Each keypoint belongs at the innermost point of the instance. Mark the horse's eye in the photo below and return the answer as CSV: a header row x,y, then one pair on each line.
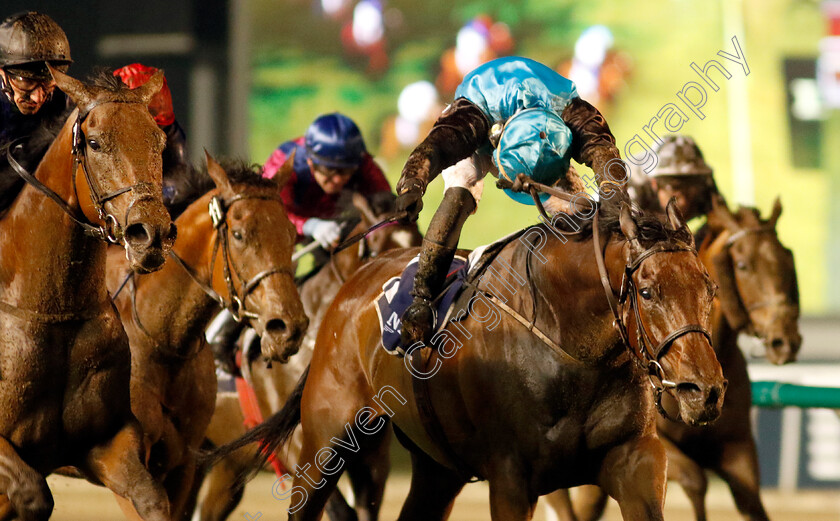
x,y
645,293
741,265
93,144
236,235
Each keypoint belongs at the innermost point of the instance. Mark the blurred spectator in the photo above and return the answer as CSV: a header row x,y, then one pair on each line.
x,y
419,106
477,42
364,36
598,71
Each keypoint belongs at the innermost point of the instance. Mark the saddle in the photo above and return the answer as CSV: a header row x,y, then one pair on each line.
x,y
457,290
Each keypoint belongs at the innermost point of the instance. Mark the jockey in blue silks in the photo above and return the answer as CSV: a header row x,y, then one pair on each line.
x,y
511,115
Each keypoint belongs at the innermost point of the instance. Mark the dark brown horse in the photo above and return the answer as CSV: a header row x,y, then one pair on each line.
x,y
237,254
532,389
758,295
64,356
274,385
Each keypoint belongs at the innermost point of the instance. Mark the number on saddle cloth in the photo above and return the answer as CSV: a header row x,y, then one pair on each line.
x,y
396,297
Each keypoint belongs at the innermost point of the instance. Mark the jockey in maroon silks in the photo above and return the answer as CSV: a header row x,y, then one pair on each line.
x,y
329,159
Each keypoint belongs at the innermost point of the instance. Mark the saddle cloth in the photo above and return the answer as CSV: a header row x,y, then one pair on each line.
x,y
396,292
396,297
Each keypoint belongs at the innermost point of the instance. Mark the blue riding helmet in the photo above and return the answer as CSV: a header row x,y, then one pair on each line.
x,y
534,142
334,141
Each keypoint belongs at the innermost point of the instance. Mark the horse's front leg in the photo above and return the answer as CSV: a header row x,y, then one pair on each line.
x,y
117,465
27,493
634,474
510,498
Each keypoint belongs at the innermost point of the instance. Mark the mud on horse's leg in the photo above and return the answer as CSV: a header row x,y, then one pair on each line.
x,y
634,474
27,491
118,466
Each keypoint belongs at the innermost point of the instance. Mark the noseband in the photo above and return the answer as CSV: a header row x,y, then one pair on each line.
x,y
647,355
235,302
110,231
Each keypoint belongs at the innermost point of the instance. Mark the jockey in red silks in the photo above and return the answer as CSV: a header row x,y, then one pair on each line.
x,y
175,153
330,158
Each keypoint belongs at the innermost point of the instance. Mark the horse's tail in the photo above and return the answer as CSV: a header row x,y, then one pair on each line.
x,y
271,434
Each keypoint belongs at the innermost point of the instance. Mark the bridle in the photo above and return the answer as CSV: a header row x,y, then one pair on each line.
x,y
235,303
111,230
644,353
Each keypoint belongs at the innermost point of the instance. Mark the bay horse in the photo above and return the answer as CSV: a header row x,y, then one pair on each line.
x,y
64,356
530,404
273,385
759,296
234,248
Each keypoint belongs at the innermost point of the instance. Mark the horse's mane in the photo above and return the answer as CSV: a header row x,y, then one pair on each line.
x,y
651,229
103,78
185,184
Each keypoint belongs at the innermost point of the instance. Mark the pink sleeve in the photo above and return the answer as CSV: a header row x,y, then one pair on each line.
x,y
373,179
273,163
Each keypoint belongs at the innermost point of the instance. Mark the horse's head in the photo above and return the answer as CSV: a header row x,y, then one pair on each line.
x,y
757,278
256,241
117,148
667,298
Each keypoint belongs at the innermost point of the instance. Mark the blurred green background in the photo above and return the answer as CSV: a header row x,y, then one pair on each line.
x,y
301,70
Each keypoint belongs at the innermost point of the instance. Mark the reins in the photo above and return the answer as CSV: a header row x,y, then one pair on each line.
x,y
110,231
645,353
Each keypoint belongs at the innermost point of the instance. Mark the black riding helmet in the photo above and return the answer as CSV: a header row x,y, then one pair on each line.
x,y
30,40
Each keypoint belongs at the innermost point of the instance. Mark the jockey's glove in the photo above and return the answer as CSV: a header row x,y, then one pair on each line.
x,y
325,232
410,201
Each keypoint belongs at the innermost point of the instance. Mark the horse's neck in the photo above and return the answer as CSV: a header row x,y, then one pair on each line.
x,y
173,289
571,305
47,263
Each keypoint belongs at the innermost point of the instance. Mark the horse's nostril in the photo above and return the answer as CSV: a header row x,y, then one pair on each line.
x,y
777,343
138,234
687,387
276,326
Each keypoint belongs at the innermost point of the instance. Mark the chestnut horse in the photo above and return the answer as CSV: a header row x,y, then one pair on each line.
x,y
237,254
758,295
530,404
274,385
64,355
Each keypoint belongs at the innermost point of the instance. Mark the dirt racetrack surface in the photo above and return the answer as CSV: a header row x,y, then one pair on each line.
x,y
76,500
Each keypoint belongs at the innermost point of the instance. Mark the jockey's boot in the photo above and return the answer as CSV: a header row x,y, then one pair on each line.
x,y
439,247
222,334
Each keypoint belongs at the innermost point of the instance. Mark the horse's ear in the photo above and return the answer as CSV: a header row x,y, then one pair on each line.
x,y
284,174
148,90
730,300
361,204
75,89
629,228
218,174
675,218
777,211
720,217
